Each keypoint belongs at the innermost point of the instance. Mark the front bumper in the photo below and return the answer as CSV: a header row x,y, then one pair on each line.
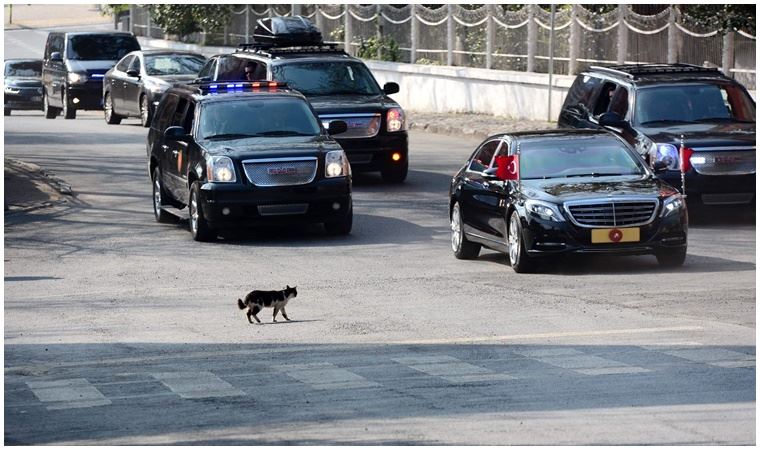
x,y
375,153
26,99
87,96
234,205
715,189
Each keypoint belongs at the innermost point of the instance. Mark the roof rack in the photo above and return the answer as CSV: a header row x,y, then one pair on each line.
x,y
272,50
634,71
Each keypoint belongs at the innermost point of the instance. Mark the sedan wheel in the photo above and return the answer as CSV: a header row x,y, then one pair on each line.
x,y
110,116
145,114
462,248
518,258
69,111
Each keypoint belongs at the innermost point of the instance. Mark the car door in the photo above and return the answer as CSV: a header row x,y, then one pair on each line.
x,y
133,87
479,193
116,83
163,150
578,106
176,155
54,70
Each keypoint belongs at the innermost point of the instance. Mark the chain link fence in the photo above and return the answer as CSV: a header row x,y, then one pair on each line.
x,y
504,37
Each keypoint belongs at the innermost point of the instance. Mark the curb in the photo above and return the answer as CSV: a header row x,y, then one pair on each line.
x,y
30,170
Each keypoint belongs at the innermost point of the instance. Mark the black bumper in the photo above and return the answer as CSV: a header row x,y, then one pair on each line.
x,y
375,153
28,101
715,189
237,205
86,96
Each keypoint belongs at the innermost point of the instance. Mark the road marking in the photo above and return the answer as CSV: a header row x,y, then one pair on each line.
x,y
451,369
571,359
68,394
197,384
719,357
515,337
325,376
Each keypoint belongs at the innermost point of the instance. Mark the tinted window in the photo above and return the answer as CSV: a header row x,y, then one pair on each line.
x,y
257,117
23,69
693,103
123,65
55,44
582,91
165,112
580,156
100,47
327,78
484,156
231,68
173,64
208,70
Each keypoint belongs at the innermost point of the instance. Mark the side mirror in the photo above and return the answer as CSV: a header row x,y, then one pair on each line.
x,y
175,134
660,167
133,73
56,56
390,88
612,119
337,127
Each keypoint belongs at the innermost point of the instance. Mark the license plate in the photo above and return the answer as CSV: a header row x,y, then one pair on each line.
x,y
615,235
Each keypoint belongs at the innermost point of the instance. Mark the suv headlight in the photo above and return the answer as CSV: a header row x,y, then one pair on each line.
x,y
672,204
336,164
11,90
544,210
395,120
667,153
77,77
220,169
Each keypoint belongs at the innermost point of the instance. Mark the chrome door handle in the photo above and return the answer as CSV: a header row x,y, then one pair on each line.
x,y
164,147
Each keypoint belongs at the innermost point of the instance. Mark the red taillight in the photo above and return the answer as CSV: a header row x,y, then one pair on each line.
x,y
685,158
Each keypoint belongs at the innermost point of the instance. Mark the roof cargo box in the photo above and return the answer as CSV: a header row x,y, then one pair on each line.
x,y
286,32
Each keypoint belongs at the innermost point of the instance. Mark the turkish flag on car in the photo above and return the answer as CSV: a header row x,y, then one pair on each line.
x,y
508,167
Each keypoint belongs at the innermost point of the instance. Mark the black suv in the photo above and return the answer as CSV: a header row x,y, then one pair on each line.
x,y
338,86
245,154
654,106
73,68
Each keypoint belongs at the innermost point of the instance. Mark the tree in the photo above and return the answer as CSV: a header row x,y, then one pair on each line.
x,y
185,19
726,17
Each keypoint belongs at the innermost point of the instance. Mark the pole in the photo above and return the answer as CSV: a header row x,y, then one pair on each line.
x,y
532,38
415,35
551,61
489,36
247,24
450,36
348,31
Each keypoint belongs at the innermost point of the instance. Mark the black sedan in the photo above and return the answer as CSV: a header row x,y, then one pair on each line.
x,y
135,85
23,85
567,191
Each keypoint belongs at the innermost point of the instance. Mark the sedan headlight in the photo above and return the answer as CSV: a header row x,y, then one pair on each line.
x,y
77,77
672,205
336,164
395,120
11,90
668,153
544,210
220,169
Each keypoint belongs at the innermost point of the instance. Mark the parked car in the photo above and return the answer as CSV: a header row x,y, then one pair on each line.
x,y
576,191
73,68
652,106
134,86
242,154
23,85
339,87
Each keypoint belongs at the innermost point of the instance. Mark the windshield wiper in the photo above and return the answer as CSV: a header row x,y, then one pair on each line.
x,y
283,133
230,136
596,174
664,121
723,119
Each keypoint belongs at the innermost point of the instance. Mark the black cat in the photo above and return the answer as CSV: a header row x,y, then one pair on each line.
x,y
255,301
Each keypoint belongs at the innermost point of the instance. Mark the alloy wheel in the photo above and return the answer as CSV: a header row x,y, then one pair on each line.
x,y
513,240
456,229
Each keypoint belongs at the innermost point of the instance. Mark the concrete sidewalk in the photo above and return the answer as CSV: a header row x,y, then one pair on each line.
x,y
52,15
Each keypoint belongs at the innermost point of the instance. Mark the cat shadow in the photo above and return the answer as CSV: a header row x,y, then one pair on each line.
x,y
279,322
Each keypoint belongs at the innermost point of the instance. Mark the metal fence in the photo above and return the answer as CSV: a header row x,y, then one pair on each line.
x,y
505,37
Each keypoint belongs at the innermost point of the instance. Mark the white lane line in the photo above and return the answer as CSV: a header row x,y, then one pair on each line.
x,y
571,359
515,337
197,384
68,394
325,376
719,357
451,369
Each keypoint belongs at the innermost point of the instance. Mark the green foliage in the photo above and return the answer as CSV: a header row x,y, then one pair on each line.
x,y
185,19
428,62
389,47
725,17
114,9
338,34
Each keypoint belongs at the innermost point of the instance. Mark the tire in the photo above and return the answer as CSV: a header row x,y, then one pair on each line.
x,y
672,258
462,248
7,112
518,257
69,111
146,114
111,117
343,226
199,227
393,173
159,199
51,112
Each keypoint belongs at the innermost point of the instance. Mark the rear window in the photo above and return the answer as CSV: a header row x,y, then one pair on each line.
x,y
693,103
257,117
327,78
92,47
23,69
158,65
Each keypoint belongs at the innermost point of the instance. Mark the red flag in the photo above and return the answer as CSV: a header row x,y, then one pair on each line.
x,y
508,167
684,155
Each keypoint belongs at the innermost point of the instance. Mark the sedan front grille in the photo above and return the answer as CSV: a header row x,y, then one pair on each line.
x,y
612,212
281,171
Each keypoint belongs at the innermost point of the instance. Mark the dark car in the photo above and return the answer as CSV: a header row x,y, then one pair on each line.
x,y
579,191
23,85
338,86
654,106
134,86
244,154
73,68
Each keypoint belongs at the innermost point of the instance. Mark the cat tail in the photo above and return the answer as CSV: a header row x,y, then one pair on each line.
x,y
241,305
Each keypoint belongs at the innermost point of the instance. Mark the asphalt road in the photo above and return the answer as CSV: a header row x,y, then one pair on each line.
x,y
120,330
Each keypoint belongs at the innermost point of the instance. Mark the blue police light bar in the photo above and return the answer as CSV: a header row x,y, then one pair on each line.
x,y
240,86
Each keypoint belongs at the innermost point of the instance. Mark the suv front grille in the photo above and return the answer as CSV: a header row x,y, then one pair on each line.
x,y
362,125
612,212
281,171
724,162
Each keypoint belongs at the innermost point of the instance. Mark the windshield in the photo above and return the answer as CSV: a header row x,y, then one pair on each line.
x,y
23,69
693,103
576,158
158,65
327,78
255,117
91,47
